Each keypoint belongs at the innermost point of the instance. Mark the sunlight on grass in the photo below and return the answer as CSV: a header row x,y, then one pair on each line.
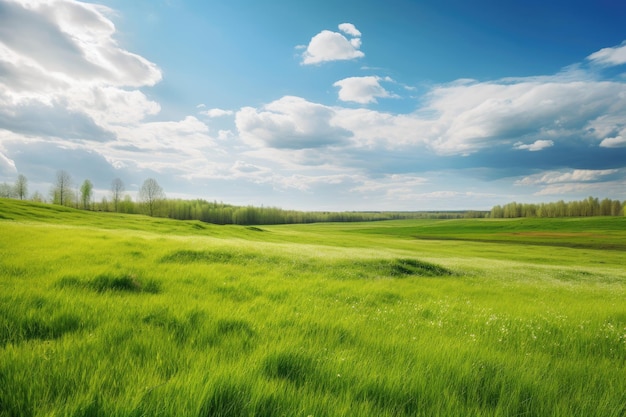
x,y
105,314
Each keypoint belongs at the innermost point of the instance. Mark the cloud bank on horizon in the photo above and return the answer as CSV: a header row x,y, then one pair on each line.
x,y
73,97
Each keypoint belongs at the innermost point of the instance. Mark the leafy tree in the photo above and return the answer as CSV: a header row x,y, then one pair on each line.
x,y
152,196
104,204
616,208
21,187
127,205
86,192
117,188
588,207
6,191
497,212
37,197
62,191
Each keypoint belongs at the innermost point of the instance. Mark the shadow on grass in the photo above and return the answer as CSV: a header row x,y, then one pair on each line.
x,y
36,319
226,399
390,268
295,367
342,269
120,283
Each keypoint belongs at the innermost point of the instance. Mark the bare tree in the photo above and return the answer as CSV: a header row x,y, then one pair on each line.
x,y
62,191
21,187
86,192
117,189
152,195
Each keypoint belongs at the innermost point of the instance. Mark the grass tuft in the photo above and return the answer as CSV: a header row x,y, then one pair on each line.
x,y
112,283
412,267
295,367
389,268
226,399
38,323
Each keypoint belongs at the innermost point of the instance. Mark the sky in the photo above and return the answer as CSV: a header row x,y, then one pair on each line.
x,y
319,105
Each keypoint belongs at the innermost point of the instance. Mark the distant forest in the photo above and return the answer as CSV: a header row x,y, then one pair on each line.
x,y
151,200
590,206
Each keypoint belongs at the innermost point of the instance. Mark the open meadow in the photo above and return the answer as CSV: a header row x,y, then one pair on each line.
x,y
105,314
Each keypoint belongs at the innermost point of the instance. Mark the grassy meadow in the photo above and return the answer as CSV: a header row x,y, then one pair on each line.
x,y
106,314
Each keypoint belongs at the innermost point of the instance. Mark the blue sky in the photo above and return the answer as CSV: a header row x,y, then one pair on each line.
x,y
319,105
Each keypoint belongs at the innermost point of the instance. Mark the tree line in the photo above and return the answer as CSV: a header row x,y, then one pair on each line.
x,y
590,206
220,213
152,201
151,195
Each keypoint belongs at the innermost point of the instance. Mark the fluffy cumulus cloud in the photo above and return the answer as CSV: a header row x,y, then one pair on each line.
x,y
334,46
466,117
560,177
362,90
479,115
61,66
184,147
391,184
67,87
537,145
213,113
610,56
461,118
578,180
291,123
68,41
350,29
616,142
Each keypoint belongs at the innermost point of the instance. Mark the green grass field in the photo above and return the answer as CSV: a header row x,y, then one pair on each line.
x,y
104,314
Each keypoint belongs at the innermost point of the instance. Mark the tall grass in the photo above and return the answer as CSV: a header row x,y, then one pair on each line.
x,y
106,315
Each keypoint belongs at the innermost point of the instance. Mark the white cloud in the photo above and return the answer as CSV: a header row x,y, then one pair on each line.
x,y
610,56
350,29
569,188
537,145
478,115
308,182
241,166
464,118
362,90
224,135
333,46
66,85
290,123
577,181
609,188
112,105
217,113
560,177
616,142
391,184
181,136
61,62
72,42
7,166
